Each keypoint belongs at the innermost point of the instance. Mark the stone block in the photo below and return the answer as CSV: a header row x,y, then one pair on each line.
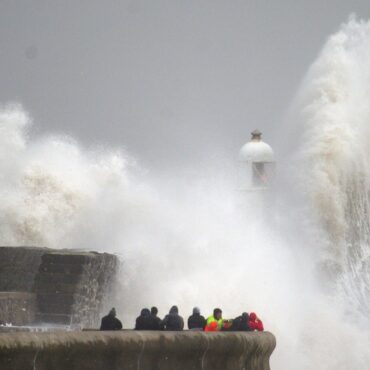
x,y
56,278
18,267
74,298
54,318
17,308
70,285
62,268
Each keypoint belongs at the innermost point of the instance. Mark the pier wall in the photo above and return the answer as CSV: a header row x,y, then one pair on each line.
x,y
131,350
18,308
55,286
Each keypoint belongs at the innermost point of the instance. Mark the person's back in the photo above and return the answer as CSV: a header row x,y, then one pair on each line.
x,y
255,323
196,321
154,313
145,321
240,323
110,322
173,321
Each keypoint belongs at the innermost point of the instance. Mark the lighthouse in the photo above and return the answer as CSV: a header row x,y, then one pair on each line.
x,y
256,164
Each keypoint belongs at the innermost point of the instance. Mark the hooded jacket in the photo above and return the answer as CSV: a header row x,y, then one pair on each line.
x,y
110,322
154,313
196,320
173,321
146,321
255,323
241,323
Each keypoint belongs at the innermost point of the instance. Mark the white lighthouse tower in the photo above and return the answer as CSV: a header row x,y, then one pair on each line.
x,y
256,164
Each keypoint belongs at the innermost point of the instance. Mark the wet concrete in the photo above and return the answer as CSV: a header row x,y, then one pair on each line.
x,y
129,350
66,287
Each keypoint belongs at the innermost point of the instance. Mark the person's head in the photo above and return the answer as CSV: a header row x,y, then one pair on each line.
x,y
154,311
112,312
217,313
245,316
196,311
174,310
145,312
252,316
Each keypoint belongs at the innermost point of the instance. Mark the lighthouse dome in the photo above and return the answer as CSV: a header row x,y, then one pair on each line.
x,y
256,150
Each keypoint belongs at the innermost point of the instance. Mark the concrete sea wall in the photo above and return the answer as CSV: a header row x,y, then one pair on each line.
x,y
55,286
18,268
130,350
71,286
18,308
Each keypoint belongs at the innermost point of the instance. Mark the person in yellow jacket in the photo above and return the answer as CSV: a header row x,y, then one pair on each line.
x,y
214,322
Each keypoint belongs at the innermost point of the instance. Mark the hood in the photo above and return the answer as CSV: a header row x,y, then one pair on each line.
x,y
245,316
174,310
252,316
196,311
154,311
145,312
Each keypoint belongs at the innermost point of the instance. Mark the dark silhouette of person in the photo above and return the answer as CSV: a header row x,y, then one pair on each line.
x,y
241,323
154,313
146,321
196,321
110,322
173,321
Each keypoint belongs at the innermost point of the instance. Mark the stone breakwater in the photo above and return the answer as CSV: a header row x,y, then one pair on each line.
x,y
55,286
129,350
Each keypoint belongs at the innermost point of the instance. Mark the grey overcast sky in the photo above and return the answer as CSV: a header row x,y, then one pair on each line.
x,y
173,81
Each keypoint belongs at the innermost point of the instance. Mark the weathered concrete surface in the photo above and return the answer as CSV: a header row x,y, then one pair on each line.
x,y
71,286
18,267
17,308
129,350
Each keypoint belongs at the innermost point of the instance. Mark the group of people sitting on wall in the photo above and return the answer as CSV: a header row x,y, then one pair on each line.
x,y
149,320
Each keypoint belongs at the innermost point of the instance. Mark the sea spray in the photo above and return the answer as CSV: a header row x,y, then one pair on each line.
x,y
332,174
335,159
185,241
56,194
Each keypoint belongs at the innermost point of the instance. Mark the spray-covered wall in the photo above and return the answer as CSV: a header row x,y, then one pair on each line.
x,y
49,286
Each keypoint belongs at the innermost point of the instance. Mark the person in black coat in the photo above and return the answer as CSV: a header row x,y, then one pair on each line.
x,y
173,321
154,313
240,323
146,321
110,322
196,321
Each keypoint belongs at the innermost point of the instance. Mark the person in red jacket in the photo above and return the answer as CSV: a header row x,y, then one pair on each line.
x,y
254,322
